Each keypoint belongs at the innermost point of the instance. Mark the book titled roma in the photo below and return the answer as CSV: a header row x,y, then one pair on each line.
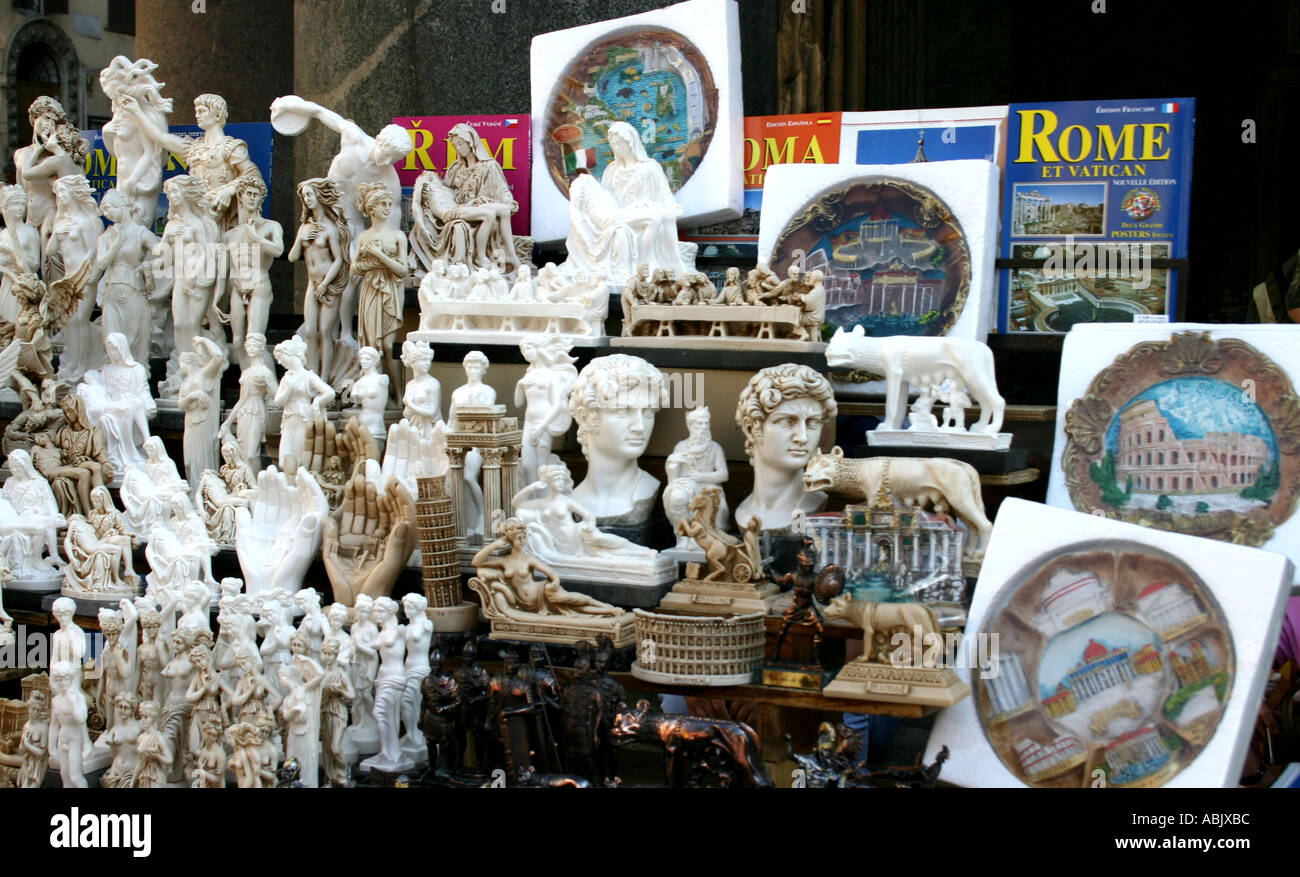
x,y
1094,193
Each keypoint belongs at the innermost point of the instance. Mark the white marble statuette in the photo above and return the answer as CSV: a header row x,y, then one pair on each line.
x,y
29,521
361,159
696,461
952,372
200,399
563,533
614,402
301,394
57,150
543,393
222,491
246,422
463,218
252,244
122,269
370,393
782,412
119,403
148,488
380,261
69,738
70,257
521,606
390,643
136,134
661,309
191,230
324,242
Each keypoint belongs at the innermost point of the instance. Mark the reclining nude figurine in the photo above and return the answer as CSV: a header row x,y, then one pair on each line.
x,y
509,587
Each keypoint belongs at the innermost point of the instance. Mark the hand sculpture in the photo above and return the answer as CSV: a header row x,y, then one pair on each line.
x,y
278,540
367,542
406,450
332,456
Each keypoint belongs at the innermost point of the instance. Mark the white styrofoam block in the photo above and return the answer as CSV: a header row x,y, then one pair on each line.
x,y
969,188
1250,585
1091,347
715,191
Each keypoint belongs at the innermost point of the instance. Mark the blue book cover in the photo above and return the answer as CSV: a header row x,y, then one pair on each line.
x,y
1093,192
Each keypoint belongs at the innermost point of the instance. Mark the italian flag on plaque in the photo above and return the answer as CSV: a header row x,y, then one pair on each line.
x,y
580,159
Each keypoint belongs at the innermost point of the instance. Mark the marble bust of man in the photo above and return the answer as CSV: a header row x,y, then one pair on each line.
x,y
782,412
614,402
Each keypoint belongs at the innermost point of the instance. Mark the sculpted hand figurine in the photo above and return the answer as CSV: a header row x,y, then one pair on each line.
x,y
381,263
366,543
122,259
301,394
324,240
695,461
614,402
118,402
278,539
247,420
543,392
782,412
251,246
361,159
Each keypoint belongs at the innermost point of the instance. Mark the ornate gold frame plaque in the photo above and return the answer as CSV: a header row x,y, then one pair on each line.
x,y
1115,665
1191,435
894,256
657,81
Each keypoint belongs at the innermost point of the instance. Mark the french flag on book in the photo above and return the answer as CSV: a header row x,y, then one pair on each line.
x,y
1169,108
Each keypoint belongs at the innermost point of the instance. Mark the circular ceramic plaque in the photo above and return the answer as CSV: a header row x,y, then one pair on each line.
x,y
1192,435
893,257
1114,668
655,80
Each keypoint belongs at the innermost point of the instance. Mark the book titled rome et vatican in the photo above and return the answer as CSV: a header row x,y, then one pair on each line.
x,y
1094,193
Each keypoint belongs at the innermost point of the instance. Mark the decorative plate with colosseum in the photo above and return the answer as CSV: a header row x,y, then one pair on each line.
x,y
655,80
1115,664
1192,434
893,256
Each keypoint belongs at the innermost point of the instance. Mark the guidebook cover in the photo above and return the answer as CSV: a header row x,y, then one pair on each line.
x,y
808,138
902,136
1095,190
507,138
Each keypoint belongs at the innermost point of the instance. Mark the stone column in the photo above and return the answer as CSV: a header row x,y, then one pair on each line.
x,y
491,487
456,487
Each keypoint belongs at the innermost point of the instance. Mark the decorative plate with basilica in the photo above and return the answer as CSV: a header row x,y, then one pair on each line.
x,y
1190,434
893,255
1115,664
655,80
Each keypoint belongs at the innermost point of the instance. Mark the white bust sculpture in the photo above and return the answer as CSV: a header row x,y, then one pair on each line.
x,y
543,392
614,401
695,461
473,393
782,412
29,522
